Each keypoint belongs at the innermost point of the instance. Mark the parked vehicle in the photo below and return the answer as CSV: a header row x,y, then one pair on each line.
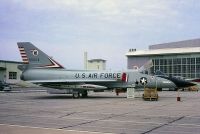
x,y
5,86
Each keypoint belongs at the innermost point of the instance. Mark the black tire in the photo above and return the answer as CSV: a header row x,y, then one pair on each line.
x,y
76,95
1,88
85,94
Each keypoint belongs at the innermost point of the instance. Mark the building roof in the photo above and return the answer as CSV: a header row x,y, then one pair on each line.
x,y
178,44
96,60
16,62
166,51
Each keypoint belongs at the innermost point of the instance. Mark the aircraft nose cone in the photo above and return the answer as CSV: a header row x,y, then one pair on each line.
x,y
181,83
188,84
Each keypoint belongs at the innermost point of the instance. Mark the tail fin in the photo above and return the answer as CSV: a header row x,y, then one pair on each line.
x,y
35,58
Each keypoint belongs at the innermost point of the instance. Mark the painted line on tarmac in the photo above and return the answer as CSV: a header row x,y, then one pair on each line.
x,y
165,124
53,129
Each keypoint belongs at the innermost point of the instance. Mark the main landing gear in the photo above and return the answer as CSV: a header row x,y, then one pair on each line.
x,y
83,94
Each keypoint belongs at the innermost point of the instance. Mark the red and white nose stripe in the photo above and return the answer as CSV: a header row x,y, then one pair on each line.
x,y
124,77
23,55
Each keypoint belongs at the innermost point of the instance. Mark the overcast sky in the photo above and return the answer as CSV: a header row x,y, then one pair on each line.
x,y
106,29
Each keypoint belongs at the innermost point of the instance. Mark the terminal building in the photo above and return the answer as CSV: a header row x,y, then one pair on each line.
x,y
180,59
9,71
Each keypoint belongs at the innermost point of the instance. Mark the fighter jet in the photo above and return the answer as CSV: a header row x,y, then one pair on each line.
x,y
41,69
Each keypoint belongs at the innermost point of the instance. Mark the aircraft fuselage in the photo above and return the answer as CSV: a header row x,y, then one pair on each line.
x,y
101,79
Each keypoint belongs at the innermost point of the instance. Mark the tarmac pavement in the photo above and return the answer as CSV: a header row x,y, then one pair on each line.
x,y
30,111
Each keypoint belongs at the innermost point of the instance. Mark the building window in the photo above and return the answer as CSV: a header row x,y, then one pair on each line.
x,y
192,60
184,61
188,67
157,62
188,60
13,75
198,60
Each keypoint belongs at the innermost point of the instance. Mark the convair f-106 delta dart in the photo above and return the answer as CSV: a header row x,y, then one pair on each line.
x,y
41,69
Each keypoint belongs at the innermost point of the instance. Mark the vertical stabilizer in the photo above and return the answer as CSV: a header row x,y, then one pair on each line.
x,y
35,58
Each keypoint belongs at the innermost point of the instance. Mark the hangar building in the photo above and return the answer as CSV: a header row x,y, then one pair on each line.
x,y
174,59
9,71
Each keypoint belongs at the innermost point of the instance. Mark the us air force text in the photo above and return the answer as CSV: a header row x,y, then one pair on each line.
x,y
98,75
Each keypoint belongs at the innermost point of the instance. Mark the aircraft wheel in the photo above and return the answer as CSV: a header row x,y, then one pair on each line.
x,y
76,95
84,94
